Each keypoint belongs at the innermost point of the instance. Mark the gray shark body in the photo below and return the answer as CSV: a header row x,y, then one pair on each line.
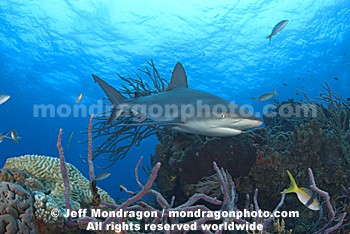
x,y
182,109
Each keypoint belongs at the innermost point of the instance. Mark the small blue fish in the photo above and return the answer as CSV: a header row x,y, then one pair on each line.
x,y
4,98
103,176
277,28
69,139
14,135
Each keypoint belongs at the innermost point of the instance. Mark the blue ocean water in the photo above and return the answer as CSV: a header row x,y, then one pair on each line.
x,y
50,48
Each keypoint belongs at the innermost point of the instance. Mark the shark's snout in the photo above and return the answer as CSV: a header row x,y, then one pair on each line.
x,y
247,123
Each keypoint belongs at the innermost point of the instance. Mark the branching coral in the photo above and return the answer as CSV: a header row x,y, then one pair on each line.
x,y
334,114
139,87
64,175
164,217
330,226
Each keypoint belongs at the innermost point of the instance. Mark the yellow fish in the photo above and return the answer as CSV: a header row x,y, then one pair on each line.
x,y
78,98
305,196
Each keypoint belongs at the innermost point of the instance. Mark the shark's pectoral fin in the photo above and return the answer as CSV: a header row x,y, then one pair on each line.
x,y
220,131
152,123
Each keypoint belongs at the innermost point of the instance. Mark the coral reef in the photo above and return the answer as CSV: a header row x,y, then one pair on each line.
x,y
297,135
44,186
41,178
165,210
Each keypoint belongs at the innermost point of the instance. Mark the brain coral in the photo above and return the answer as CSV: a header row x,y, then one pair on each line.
x,y
47,170
16,209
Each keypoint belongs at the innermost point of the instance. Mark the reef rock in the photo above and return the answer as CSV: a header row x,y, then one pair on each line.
x,y
16,209
186,159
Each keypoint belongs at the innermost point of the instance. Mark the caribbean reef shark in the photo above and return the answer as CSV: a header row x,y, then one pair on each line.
x,y
182,109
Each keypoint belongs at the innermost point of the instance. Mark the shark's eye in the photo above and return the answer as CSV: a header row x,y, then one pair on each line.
x,y
223,116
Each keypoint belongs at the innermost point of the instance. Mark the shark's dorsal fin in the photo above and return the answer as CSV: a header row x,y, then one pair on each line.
x,y
178,78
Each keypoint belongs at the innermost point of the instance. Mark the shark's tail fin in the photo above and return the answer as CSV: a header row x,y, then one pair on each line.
x,y
113,95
